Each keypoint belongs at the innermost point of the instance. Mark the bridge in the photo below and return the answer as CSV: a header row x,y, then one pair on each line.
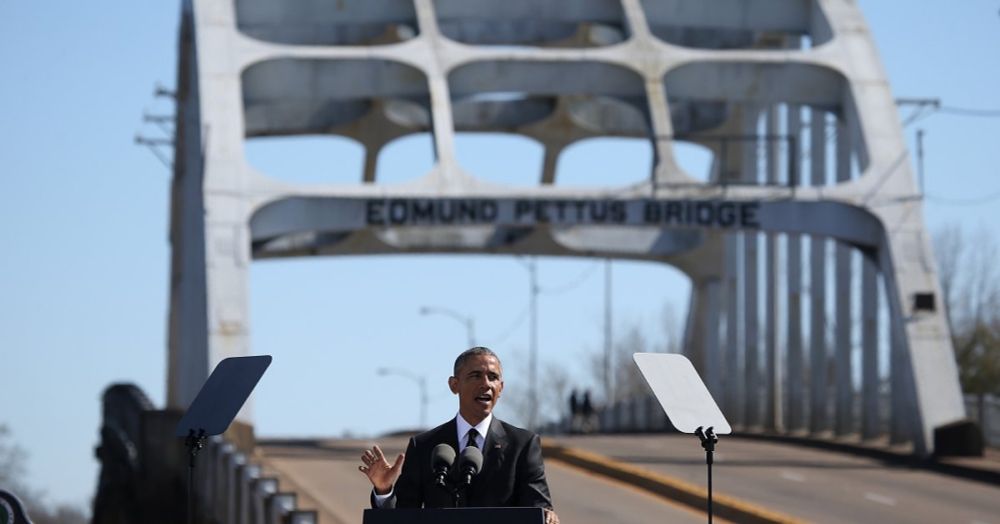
x,y
809,173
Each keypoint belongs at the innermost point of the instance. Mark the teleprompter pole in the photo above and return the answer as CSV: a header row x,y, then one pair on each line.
x,y
194,443
708,440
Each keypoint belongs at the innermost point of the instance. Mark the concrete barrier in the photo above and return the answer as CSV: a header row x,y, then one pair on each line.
x,y
144,472
725,507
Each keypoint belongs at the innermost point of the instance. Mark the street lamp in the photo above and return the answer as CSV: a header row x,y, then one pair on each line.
x,y
421,382
468,322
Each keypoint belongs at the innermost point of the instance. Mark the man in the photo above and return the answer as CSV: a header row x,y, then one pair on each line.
x,y
512,474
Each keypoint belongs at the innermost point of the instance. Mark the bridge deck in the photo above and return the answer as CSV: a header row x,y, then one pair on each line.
x,y
816,485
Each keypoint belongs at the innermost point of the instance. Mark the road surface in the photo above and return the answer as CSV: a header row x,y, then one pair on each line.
x,y
815,485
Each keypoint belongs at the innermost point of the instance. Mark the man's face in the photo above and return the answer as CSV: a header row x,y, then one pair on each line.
x,y
478,386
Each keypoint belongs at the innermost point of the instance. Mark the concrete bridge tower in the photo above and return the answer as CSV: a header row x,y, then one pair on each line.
x,y
805,241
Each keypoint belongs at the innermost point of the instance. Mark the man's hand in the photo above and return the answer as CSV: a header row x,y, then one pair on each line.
x,y
551,517
379,471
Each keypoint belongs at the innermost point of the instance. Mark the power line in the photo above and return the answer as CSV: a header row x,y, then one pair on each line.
x,y
523,315
926,107
498,340
951,201
581,278
969,111
917,116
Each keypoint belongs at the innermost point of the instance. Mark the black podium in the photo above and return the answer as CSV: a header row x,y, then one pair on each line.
x,y
455,516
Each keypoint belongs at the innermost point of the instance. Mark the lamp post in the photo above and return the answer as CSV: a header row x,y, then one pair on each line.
x,y
467,321
421,383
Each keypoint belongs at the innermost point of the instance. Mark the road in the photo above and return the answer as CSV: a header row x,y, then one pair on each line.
x,y
815,485
324,473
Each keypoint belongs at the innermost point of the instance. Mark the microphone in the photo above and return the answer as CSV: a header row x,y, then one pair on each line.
x,y
442,457
469,464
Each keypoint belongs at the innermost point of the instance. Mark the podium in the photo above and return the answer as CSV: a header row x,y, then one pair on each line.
x,y
455,516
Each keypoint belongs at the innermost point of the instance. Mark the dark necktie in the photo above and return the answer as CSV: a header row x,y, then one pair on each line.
x,y
472,438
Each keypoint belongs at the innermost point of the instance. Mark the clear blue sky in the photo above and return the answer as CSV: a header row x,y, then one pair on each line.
x,y
83,223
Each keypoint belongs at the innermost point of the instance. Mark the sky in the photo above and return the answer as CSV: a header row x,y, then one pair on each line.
x,y
84,256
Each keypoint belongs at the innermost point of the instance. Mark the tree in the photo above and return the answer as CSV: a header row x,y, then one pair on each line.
x,y
12,458
626,379
970,283
12,470
977,349
673,333
554,384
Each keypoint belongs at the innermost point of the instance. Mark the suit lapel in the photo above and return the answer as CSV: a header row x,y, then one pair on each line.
x,y
448,434
496,446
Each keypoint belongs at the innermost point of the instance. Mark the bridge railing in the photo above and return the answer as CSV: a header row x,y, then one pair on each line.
x,y
642,413
985,409
144,473
234,490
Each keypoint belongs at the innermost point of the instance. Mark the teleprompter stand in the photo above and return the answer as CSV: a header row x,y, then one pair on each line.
x,y
708,440
686,402
215,407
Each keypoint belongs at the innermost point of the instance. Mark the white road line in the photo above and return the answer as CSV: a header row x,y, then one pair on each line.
x,y
796,477
881,499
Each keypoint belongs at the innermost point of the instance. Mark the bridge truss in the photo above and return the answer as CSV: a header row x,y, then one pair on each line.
x,y
807,225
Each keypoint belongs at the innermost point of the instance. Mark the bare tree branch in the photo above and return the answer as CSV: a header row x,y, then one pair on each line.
x,y
970,282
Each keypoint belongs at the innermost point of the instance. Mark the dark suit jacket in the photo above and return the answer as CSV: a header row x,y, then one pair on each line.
x,y
512,474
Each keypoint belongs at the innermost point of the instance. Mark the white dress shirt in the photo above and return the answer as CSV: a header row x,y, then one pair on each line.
x,y
463,431
463,428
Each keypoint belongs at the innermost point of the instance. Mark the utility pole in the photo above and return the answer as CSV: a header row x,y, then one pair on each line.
x,y
608,385
921,104
533,359
532,267
920,160
163,122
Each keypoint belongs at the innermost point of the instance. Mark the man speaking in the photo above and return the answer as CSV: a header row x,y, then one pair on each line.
x,y
512,472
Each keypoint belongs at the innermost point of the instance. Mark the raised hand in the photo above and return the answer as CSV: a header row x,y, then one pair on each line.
x,y
378,470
